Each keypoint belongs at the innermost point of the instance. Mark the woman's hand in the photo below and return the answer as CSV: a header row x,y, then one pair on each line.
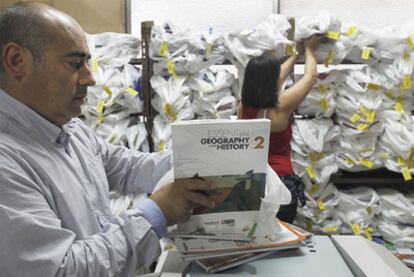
x,y
313,41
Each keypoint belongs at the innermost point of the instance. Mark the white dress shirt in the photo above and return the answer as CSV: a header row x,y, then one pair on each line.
x,y
55,218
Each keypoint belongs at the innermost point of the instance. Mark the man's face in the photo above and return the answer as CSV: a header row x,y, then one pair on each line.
x,y
58,84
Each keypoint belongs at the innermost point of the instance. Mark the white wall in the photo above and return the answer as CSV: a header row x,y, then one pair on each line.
x,y
223,15
373,13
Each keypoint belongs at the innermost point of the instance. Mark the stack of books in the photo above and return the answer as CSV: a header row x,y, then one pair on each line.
x,y
233,155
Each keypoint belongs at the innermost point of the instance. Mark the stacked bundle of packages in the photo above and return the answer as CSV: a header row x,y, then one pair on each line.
x,y
314,161
332,50
185,85
320,101
396,221
357,208
357,106
268,36
397,141
115,97
319,214
178,52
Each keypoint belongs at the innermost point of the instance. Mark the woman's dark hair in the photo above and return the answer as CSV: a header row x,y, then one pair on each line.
x,y
260,82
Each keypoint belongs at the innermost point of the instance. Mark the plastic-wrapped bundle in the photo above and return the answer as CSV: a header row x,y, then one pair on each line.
x,y
211,80
392,43
269,35
354,162
312,151
161,133
361,43
179,51
318,212
357,208
173,98
320,101
136,136
322,23
112,49
400,235
212,96
395,207
330,225
397,143
358,102
398,133
332,50
206,106
116,93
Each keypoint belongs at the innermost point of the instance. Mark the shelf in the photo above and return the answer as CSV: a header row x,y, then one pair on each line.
x,y
378,178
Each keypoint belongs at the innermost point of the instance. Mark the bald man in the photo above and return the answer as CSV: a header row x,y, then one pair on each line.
x,y
56,174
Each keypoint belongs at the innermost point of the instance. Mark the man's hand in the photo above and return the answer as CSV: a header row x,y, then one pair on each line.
x,y
177,200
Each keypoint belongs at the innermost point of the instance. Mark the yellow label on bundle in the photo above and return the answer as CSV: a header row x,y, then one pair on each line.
x,y
324,105
313,157
409,42
99,119
356,229
310,172
168,110
321,205
398,107
406,174
365,53
163,48
313,189
369,210
367,233
132,91
355,118
171,69
94,65
349,161
351,30
366,163
322,88
389,93
100,106
332,35
289,50
400,161
362,127
406,55
329,229
373,86
107,90
161,146
209,47
170,66
406,82
371,117
329,58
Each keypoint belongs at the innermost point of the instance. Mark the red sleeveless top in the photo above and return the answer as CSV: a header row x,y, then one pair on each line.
x,y
279,157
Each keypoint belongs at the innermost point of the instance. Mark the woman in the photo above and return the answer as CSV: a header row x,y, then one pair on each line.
x,y
261,98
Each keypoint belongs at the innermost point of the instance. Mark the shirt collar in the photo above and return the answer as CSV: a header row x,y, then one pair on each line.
x,y
14,110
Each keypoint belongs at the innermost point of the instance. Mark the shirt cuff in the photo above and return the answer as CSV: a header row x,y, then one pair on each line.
x,y
153,213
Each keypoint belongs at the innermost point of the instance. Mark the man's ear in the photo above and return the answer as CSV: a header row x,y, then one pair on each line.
x,y
17,60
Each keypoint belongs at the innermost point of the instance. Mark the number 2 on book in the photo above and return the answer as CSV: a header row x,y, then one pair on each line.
x,y
260,142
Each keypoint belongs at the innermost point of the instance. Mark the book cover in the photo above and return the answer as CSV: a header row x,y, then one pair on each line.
x,y
233,155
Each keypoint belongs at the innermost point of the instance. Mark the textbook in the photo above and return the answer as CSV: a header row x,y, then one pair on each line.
x,y
200,249
233,155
